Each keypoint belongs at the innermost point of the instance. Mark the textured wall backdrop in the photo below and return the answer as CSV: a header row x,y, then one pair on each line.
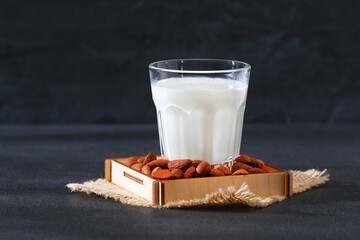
x,y
86,61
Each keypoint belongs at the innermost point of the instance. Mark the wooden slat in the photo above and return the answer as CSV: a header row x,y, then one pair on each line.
x,y
132,180
108,169
155,197
286,184
162,193
266,184
291,184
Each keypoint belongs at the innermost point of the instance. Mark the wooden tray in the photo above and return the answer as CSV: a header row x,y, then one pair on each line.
x,y
160,192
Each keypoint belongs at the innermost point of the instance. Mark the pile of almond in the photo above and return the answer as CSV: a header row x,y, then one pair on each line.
x,y
186,168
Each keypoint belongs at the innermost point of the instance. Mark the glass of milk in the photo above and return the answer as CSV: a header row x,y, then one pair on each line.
x,y
200,106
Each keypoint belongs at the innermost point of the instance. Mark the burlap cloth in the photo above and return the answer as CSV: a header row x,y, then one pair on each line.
x,y
302,181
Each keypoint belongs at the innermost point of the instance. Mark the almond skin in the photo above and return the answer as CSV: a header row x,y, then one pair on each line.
x,y
215,166
224,170
177,173
189,172
216,173
132,159
240,165
195,162
256,170
256,163
137,166
149,158
269,169
146,170
243,158
161,174
203,168
129,164
162,163
241,172
250,161
179,164
140,159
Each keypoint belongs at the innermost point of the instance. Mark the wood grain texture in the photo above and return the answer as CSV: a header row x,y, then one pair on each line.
x,y
108,169
290,184
155,197
132,180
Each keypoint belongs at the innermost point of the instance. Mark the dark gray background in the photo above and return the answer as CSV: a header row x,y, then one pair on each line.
x,y
86,61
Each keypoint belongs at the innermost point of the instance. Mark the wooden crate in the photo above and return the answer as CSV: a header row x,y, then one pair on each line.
x,y
160,192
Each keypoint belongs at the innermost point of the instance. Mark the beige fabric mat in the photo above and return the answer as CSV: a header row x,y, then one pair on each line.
x,y
303,180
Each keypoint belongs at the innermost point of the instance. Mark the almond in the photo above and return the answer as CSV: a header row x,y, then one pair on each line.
x,y
140,160
179,164
146,170
257,163
224,170
162,163
137,166
161,174
269,169
195,162
241,172
240,165
149,158
250,161
243,158
256,170
177,173
132,159
129,164
203,168
189,172
216,173
215,166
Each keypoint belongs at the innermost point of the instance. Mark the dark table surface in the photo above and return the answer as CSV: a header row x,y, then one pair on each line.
x,y
36,162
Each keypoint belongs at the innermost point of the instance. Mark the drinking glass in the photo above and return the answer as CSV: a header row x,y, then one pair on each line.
x,y
200,106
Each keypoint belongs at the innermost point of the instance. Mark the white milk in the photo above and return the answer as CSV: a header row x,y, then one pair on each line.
x,y
200,118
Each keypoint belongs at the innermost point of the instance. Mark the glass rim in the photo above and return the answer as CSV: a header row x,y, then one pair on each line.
x,y
245,66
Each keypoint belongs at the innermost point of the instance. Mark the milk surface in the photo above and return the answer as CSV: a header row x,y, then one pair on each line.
x,y
200,118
